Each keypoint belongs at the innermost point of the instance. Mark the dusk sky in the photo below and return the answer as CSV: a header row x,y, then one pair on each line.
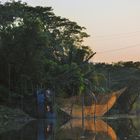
x,y
113,25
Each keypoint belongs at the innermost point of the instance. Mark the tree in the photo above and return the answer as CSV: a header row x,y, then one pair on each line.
x,y
43,48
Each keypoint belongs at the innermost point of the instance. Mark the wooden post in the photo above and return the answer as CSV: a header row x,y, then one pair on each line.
x,y
94,110
9,82
41,85
53,104
32,87
82,108
82,136
109,79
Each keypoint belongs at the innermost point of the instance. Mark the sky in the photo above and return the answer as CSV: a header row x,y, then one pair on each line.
x,y
113,25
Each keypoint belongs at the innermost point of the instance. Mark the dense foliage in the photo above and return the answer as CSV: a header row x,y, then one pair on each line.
x,y
39,49
123,74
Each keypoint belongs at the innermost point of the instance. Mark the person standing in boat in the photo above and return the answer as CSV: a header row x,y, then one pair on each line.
x,y
41,103
49,104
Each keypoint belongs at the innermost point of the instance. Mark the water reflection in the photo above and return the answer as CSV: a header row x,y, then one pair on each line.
x,y
117,129
46,129
92,130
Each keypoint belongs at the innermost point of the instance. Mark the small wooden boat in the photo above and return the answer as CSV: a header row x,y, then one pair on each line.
x,y
103,104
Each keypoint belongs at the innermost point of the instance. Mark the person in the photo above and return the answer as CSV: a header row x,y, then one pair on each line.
x,y
48,108
48,93
40,103
49,105
48,101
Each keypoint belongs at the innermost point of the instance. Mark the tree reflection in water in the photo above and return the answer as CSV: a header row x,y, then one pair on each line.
x,y
126,129
117,129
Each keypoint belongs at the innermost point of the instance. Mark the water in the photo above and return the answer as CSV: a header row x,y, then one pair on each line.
x,y
112,128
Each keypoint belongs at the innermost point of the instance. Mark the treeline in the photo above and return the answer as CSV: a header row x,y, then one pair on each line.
x,y
123,74
128,64
120,72
41,50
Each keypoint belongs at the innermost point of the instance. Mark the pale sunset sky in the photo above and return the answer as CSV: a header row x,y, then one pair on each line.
x,y
113,25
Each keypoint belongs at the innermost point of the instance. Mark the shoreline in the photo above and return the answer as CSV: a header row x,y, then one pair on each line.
x,y
12,119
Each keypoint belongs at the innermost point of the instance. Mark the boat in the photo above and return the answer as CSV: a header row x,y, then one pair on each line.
x,y
102,105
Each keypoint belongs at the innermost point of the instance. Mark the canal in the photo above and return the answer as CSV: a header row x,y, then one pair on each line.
x,y
107,128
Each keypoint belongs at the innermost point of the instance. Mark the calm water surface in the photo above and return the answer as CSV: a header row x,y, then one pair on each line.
x,y
76,129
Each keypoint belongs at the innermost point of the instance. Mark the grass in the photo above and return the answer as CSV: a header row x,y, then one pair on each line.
x,y
12,119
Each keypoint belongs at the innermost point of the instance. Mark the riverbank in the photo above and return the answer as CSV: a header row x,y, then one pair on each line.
x,y
12,119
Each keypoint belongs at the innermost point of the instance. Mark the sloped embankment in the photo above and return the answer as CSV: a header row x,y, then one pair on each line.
x,y
11,119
